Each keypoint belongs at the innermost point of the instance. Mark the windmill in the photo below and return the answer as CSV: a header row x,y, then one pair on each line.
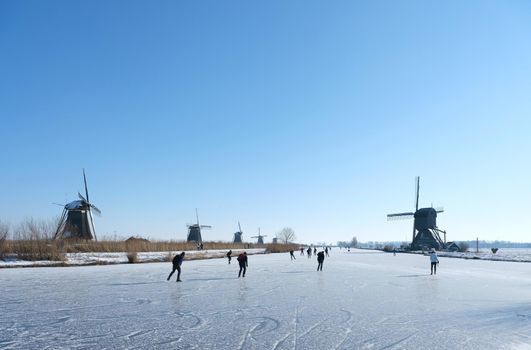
x,y
194,230
425,231
260,237
238,235
77,220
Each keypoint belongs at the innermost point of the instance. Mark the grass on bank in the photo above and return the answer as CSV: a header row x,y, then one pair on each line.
x,y
55,250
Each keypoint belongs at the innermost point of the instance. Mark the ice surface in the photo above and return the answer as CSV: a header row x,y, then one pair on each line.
x,y
361,300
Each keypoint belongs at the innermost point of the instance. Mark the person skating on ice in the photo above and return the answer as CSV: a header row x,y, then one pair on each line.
x,y
242,260
434,260
320,260
177,261
229,255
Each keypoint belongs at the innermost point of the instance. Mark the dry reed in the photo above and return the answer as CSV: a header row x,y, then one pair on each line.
x,y
43,249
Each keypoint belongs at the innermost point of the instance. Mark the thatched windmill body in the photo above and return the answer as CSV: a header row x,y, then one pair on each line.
x,y
194,230
238,235
77,220
425,230
260,238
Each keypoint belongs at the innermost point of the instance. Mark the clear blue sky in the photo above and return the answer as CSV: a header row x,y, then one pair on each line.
x,y
310,114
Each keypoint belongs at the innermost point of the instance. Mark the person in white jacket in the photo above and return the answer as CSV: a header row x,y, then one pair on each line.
x,y
434,261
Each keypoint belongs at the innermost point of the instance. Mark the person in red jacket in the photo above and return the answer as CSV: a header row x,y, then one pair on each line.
x,y
242,260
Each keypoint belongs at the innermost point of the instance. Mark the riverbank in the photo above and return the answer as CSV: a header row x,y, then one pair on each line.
x,y
104,258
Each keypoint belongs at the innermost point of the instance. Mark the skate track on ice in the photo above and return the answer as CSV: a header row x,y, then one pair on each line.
x,y
361,300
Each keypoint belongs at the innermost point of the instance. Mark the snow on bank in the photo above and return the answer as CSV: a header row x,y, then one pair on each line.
x,y
505,254
77,259
99,258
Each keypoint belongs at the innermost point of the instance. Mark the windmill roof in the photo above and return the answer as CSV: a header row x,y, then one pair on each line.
x,y
422,212
79,204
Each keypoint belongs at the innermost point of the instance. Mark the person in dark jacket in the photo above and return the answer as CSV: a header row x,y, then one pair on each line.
x,y
229,255
242,260
302,251
326,251
309,252
314,251
320,260
177,261
292,256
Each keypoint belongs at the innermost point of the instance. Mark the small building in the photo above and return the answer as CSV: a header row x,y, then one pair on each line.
x,y
452,247
134,239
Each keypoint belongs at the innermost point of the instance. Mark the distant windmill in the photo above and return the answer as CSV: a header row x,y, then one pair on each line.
x,y
194,230
238,235
260,237
76,220
425,231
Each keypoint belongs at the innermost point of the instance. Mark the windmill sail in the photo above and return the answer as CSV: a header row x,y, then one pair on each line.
x,y
400,216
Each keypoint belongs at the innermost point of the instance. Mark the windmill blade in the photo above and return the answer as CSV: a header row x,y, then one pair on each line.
x,y
86,188
417,188
400,216
253,237
92,225
397,218
82,198
439,209
240,227
263,236
206,226
61,205
96,210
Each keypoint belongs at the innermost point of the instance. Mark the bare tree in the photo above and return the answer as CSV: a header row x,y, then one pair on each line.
x,y
354,242
463,247
4,230
286,235
36,229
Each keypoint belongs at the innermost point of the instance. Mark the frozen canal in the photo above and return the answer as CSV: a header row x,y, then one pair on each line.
x,y
361,300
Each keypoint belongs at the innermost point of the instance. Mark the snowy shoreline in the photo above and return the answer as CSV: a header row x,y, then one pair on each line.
x,y
101,258
504,255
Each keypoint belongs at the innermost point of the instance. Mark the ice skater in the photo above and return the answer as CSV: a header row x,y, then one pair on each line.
x,y
177,261
315,251
302,251
309,252
229,255
242,260
292,256
326,251
434,261
320,260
